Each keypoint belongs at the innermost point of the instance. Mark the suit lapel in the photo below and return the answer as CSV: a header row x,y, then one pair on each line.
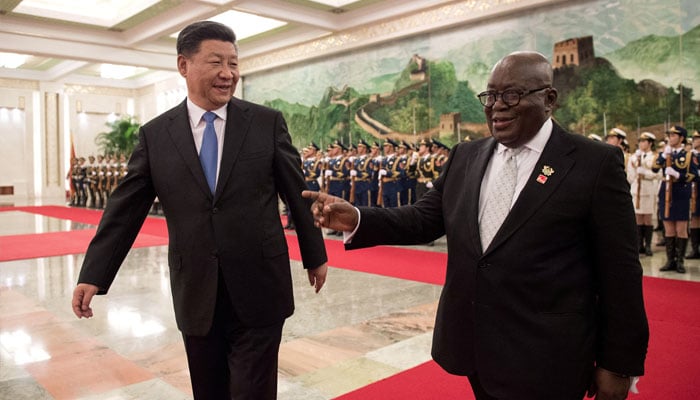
x,y
181,135
237,126
539,187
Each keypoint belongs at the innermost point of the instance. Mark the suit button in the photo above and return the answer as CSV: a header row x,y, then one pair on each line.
x,y
215,210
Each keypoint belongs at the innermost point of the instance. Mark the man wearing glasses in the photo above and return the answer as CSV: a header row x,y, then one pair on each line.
x,y
543,293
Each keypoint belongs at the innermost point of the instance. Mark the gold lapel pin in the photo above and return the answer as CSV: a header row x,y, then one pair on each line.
x,y
547,171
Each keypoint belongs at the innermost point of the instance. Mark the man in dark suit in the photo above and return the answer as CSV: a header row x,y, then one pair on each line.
x,y
551,306
228,258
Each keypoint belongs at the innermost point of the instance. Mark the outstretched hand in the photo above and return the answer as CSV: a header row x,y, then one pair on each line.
x,y
332,212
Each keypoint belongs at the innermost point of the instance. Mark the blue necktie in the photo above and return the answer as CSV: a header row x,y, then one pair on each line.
x,y
209,153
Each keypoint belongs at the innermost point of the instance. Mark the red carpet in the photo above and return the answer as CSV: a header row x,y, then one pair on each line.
x,y
671,367
672,307
396,262
20,247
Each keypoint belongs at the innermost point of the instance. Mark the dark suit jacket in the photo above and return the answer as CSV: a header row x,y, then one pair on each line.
x,y
558,289
237,230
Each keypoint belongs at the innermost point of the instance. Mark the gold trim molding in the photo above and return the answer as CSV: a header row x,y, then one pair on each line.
x,y
101,90
19,84
443,17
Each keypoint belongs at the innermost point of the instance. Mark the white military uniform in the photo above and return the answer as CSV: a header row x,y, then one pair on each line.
x,y
643,181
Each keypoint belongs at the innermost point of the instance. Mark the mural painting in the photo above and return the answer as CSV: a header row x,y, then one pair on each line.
x,y
626,64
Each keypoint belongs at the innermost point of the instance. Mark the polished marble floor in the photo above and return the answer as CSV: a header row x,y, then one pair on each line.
x,y
361,328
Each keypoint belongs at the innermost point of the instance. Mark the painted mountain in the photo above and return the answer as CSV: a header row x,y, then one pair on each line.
x,y
669,60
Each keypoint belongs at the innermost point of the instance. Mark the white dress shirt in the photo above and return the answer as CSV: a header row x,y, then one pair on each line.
x,y
525,162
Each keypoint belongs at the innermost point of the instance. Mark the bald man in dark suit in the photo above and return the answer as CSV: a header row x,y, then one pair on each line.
x,y
547,303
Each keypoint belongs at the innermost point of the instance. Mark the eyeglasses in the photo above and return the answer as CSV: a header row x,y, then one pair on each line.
x,y
510,97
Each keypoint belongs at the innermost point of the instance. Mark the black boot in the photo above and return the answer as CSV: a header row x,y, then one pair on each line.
x,y
694,244
648,231
640,235
681,244
670,255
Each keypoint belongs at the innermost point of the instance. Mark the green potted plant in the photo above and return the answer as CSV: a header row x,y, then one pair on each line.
x,y
122,137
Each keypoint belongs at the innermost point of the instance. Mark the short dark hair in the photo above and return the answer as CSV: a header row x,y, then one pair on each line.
x,y
193,35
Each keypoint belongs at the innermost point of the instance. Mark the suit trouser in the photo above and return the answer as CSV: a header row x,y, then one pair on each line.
x,y
233,361
479,392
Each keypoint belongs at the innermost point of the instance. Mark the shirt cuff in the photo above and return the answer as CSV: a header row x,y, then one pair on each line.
x,y
347,236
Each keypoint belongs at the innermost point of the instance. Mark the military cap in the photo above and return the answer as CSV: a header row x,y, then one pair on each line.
x,y
389,142
595,137
647,136
679,130
617,132
403,144
363,143
437,143
336,143
425,142
375,145
314,146
696,134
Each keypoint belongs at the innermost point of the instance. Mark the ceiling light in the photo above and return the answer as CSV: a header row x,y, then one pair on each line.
x,y
105,13
335,3
112,71
244,24
12,60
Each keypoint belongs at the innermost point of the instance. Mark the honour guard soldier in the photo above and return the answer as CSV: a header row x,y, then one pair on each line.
x,y
427,172
338,170
695,210
438,149
376,163
361,175
411,174
404,189
80,182
337,174
674,196
643,185
389,175
313,167
615,137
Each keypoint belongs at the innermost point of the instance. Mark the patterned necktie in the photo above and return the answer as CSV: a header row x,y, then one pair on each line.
x,y
499,199
209,153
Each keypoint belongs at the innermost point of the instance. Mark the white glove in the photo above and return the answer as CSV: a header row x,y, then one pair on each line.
x,y
429,185
672,172
696,152
640,170
414,156
667,150
329,172
353,172
638,153
351,158
382,172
